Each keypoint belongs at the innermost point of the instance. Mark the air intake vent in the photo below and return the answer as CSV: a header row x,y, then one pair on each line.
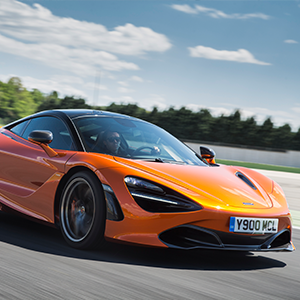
x,y
188,237
282,240
245,179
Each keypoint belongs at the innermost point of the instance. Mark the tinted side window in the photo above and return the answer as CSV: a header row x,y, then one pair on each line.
x,y
18,129
61,135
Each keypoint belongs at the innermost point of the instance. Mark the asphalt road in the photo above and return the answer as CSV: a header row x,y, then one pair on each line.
x,y
37,264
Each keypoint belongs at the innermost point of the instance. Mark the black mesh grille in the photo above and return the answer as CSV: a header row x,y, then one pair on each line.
x,y
189,237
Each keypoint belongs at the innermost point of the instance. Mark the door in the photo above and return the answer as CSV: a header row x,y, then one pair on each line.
x,y
28,176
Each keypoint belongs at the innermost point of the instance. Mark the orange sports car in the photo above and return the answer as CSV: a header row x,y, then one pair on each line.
x,y
104,176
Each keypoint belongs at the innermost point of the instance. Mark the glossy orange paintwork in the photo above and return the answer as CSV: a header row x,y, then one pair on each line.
x,y
202,184
29,179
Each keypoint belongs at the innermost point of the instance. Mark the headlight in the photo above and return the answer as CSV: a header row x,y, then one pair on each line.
x,y
142,184
153,197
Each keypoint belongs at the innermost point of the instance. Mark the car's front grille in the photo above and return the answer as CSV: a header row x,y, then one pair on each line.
x,y
189,237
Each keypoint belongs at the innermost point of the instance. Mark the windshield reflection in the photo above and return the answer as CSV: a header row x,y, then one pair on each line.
x,y
133,139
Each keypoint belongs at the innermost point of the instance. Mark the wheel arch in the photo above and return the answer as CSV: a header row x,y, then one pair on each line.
x,y
62,184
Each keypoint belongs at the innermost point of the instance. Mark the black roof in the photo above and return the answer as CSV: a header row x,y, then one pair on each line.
x,y
74,113
70,114
67,115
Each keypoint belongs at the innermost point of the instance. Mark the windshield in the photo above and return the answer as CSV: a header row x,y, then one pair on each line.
x,y
133,139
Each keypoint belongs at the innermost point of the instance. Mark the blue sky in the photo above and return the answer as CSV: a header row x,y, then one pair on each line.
x,y
219,55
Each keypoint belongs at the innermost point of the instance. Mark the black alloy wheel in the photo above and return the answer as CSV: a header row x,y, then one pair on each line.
x,y
83,211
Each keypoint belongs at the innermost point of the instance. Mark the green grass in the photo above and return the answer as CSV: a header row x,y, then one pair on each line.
x,y
258,166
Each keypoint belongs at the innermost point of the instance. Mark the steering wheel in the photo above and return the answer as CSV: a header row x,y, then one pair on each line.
x,y
153,150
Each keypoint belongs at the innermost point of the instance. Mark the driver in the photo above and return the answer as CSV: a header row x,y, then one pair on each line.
x,y
111,143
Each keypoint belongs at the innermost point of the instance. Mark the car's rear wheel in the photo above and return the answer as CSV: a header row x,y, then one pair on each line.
x,y
83,211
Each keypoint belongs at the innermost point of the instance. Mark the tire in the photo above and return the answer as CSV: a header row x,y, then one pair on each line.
x,y
83,211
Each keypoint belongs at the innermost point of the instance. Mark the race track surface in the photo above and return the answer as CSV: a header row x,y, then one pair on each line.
x,y
37,264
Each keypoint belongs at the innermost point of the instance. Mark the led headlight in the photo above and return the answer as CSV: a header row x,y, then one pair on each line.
x,y
142,184
153,197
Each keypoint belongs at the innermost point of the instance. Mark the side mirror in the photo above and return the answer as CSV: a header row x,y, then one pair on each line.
x,y
208,154
41,136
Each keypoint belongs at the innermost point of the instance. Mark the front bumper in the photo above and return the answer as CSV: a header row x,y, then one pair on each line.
x,y
193,237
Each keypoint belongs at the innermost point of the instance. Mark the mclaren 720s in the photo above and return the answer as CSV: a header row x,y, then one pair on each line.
x,y
103,176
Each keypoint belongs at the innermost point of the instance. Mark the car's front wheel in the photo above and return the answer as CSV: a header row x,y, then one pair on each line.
x,y
83,211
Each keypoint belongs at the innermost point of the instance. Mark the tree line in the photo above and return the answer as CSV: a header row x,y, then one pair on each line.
x,y
17,102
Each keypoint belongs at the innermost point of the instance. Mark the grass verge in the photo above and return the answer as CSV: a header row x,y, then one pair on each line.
x,y
258,166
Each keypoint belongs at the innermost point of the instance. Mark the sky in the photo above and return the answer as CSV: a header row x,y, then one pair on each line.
x,y
219,55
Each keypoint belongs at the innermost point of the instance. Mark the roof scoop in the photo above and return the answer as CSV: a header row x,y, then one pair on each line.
x,y
245,179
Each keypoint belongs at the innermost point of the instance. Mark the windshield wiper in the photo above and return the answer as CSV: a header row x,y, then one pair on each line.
x,y
169,161
158,159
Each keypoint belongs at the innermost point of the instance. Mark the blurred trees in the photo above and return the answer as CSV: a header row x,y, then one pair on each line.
x,y
53,102
17,102
202,126
126,109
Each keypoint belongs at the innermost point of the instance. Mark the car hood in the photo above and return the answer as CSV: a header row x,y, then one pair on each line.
x,y
215,183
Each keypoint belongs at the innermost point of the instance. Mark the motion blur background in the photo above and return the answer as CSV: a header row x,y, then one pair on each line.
x,y
222,72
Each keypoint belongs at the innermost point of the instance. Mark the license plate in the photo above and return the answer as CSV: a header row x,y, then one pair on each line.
x,y
253,225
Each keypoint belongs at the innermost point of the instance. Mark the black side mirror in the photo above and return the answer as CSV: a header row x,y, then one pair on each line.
x,y
208,154
41,136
